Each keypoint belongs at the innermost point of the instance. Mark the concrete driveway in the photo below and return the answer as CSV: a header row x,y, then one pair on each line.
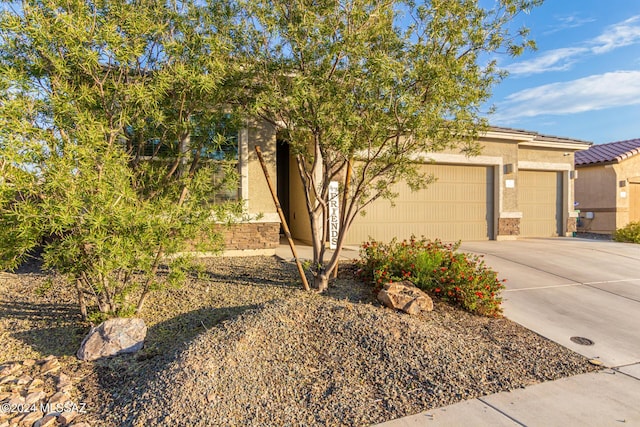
x,y
570,287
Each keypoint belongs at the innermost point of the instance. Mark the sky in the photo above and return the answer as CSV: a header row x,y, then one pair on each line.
x,y
583,81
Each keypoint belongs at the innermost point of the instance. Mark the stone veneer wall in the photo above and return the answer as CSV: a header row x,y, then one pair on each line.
x,y
255,235
572,225
509,227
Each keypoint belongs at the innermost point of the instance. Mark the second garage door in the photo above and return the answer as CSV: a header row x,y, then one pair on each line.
x,y
540,200
458,206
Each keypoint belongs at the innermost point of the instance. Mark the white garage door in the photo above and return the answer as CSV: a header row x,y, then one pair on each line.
x,y
458,206
540,200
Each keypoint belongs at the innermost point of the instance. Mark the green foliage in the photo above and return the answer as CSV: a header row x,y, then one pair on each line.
x,y
435,267
375,85
115,133
629,233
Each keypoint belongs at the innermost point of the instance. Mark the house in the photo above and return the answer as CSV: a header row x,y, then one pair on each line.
x,y
521,185
608,186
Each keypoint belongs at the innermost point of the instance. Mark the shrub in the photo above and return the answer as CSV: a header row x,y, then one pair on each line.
x,y
433,266
629,233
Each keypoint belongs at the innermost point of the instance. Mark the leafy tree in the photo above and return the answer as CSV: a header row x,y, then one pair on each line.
x,y
107,143
372,84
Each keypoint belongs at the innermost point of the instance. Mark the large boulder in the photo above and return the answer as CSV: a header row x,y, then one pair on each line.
x,y
406,297
115,336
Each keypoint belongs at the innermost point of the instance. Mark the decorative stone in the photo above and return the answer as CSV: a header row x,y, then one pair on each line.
x,y
34,397
49,366
30,418
406,297
24,379
115,336
82,424
36,383
67,417
16,400
10,368
64,383
7,379
48,420
58,399
28,363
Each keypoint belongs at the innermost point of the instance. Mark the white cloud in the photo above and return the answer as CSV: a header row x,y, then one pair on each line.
x,y
566,22
552,60
597,92
622,34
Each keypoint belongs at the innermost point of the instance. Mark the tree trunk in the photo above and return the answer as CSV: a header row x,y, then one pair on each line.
x,y
81,301
321,281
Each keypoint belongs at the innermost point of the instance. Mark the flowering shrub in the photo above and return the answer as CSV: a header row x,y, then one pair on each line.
x,y
433,266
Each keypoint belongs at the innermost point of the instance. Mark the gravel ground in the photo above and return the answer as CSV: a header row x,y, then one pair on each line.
x,y
242,345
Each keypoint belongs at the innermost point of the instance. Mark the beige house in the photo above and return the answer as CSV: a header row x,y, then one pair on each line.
x,y
608,186
521,185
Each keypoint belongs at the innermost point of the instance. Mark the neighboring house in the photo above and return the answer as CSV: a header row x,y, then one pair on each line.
x,y
521,185
608,186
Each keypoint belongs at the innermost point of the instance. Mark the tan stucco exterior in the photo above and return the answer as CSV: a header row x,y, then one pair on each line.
x,y
607,195
504,154
255,190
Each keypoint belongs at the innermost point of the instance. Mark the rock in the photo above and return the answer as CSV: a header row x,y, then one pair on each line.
x,y
24,379
7,379
9,369
406,297
49,366
16,400
67,417
82,424
113,337
35,384
58,399
28,363
30,418
64,383
49,420
34,397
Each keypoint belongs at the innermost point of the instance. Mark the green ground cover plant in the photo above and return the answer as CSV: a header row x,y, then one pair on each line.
x,y
437,268
629,233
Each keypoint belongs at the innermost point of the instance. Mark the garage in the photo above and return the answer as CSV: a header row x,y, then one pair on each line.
x,y
458,206
540,199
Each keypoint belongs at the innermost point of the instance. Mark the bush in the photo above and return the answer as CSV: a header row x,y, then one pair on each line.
x,y
437,268
630,233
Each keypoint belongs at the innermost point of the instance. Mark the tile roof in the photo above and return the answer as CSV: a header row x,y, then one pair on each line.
x,y
613,152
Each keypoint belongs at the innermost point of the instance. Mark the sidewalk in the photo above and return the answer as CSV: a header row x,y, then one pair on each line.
x,y
305,251
605,398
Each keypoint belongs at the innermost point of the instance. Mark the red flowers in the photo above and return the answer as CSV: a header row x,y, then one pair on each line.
x,y
461,279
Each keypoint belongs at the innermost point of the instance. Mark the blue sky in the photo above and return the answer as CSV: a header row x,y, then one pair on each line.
x,y
583,82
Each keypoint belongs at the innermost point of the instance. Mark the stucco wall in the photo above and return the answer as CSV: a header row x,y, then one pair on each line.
x,y
627,170
259,200
298,215
597,194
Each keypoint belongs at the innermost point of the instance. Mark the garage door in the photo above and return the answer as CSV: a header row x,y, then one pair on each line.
x,y
540,200
458,206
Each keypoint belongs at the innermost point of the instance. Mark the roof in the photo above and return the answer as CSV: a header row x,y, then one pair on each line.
x,y
613,152
534,139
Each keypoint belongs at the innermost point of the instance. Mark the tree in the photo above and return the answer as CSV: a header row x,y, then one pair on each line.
x,y
368,85
113,122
